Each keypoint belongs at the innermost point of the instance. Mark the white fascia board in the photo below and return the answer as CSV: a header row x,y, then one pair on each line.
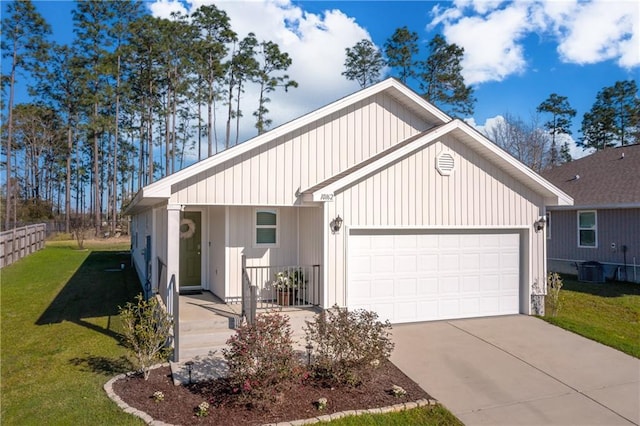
x,y
553,194
326,193
596,206
162,188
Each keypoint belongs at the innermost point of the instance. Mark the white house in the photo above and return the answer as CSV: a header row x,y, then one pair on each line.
x,y
437,221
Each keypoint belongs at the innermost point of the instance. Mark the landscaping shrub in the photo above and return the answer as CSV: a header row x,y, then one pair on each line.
x,y
348,344
146,330
261,357
552,300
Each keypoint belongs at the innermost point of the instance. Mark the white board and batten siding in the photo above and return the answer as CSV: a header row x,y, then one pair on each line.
x,y
273,172
410,194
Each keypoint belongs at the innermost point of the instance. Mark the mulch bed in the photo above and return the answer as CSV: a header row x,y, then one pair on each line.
x,y
295,402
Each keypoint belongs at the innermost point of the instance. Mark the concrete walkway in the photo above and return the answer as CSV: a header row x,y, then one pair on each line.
x,y
519,370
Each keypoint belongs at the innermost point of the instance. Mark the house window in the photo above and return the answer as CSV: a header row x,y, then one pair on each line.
x,y
266,226
587,229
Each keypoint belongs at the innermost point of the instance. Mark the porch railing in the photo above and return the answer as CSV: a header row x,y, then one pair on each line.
x,y
299,285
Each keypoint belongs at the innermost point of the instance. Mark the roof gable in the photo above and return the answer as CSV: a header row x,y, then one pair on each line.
x,y
161,190
610,177
463,132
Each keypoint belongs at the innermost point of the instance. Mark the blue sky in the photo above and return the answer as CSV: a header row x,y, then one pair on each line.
x,y
516,53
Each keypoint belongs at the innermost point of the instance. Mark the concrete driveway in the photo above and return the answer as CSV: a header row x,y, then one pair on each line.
x,y
519,370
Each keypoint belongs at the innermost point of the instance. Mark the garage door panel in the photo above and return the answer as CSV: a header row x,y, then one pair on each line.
x,y
360,265
449,262
407,287
381,288
382,264
427,286
470,284
426,276
405,263
427,262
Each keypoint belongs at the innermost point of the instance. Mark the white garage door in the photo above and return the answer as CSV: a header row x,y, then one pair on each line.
x,y
419,276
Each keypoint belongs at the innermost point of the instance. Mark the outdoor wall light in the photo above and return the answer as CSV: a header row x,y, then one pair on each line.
x,y
336,224
538,225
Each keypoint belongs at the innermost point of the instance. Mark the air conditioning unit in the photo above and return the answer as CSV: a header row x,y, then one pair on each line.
x,y
591,272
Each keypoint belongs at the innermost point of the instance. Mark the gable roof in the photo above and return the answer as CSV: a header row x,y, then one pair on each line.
x,y
606,178
160,190
463,132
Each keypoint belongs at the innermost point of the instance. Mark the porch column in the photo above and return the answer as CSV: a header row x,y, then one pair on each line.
x,y
173,271
173,243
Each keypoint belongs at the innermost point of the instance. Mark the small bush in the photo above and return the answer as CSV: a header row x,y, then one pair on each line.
x,y
348,344
146,330
552,300
261,357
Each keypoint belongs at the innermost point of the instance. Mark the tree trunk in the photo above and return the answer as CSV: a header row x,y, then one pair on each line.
x,y
96,174
9,192
67,190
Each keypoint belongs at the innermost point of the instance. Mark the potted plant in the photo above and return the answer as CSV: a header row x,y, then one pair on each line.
x,y
287,283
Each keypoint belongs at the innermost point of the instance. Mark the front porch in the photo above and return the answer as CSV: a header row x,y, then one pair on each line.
x,y
205,323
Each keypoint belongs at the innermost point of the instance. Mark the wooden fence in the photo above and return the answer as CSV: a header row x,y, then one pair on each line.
x,y
20,242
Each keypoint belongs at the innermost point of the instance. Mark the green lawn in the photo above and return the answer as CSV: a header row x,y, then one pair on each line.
x,y
59,328
608,313
424,416
59,341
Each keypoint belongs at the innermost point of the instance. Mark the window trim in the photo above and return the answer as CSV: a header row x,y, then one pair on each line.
x,y
256,227
548,225
594,229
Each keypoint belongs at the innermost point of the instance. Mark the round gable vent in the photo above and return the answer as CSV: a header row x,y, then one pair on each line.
x,y
445,163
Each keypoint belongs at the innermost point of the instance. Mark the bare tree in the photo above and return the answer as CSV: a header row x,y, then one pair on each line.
x,y
527,142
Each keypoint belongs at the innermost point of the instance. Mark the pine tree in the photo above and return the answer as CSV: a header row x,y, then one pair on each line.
x,y
560,123
363,63
272,63
614,117
441,78
24,33
400,49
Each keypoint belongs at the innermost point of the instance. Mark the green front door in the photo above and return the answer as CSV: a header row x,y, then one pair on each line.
x,y
190,249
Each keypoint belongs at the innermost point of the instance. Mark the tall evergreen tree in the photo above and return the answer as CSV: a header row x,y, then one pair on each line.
x,y
363,63
400,49
559,123
91,20
242,68
215,33
60,86
272,63
441,78
24,33
614,117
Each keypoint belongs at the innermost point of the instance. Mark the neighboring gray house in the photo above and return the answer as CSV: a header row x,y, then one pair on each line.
x,y
603,225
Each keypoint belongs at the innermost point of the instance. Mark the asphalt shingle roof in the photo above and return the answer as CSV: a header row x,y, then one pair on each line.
x,y
607,177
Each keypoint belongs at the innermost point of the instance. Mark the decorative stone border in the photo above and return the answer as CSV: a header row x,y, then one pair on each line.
x,y
341,414
108,387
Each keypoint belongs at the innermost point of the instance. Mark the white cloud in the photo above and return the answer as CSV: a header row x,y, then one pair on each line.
x,y
315,42
493,32
164,8
491,44
599,31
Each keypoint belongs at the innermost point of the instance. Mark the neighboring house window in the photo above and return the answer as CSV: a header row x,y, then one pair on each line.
x,y
266,226
587,229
